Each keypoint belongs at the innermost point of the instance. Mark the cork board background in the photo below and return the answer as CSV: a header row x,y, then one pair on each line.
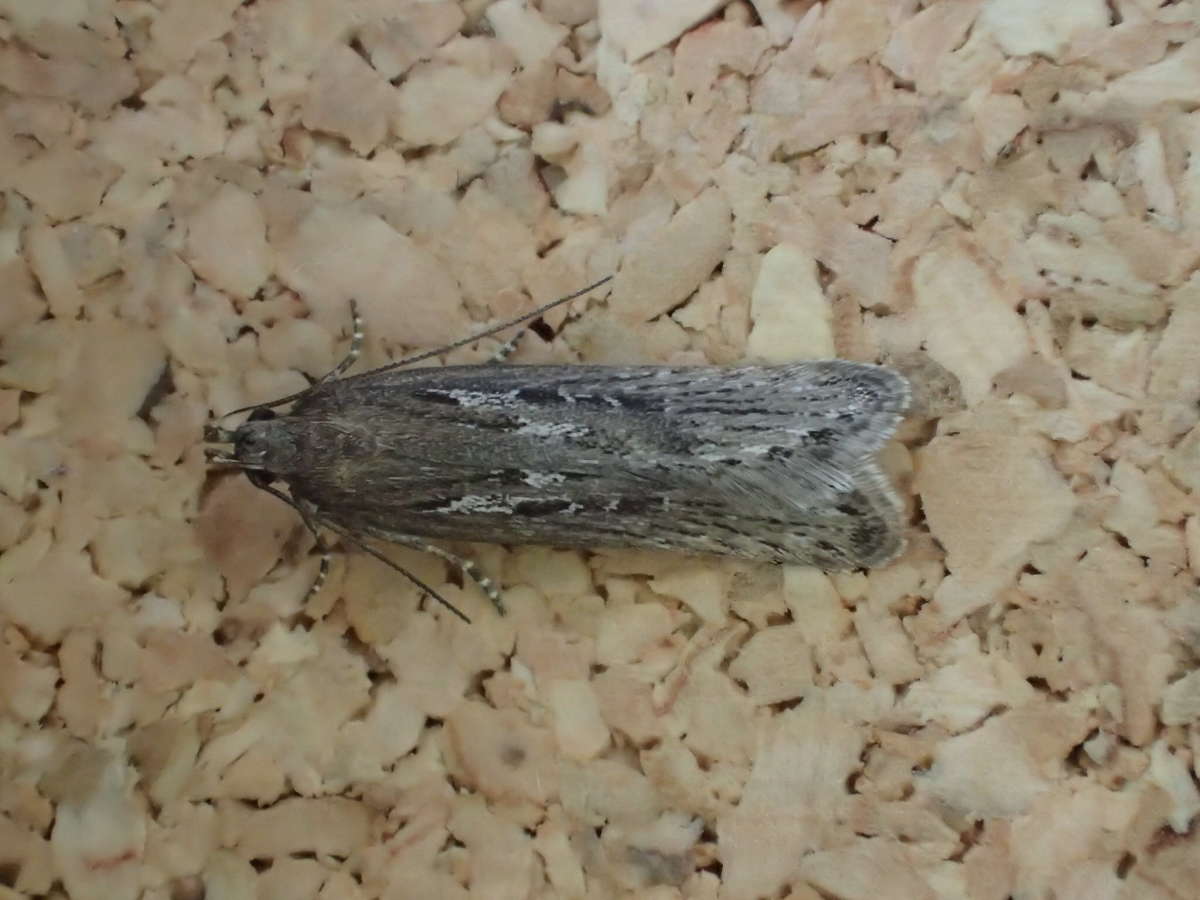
x,y
1001,197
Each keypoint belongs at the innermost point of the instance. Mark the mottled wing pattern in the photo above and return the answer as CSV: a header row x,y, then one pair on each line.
x,y
773,462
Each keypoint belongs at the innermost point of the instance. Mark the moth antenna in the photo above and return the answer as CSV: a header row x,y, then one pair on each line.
x,y
488,332
427,354
366,548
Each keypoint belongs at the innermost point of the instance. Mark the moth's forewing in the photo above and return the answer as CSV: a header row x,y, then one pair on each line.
x,y
773,463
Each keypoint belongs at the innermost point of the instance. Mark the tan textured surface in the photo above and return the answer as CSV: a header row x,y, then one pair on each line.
x,y
1001,197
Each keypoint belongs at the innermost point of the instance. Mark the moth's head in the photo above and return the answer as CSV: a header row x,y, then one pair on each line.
x,y
265,442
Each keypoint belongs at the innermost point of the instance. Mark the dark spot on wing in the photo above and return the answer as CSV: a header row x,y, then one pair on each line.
x,y
435,396
820,436
434,505
635,506
539,394
547,507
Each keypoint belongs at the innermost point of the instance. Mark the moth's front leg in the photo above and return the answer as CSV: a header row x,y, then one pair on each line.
x,y
467,566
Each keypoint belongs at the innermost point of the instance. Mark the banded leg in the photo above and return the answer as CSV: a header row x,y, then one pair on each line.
x,y
310,517
307,516
371,551
323,568
357,335
263,482
468,567
356,342
489,587
505,350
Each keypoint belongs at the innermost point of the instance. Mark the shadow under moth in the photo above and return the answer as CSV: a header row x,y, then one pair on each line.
x,y
775,463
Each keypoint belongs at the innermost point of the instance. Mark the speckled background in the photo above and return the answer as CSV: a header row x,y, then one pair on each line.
x,y
1001,197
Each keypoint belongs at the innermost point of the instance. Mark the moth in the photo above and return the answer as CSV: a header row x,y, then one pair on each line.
x,y
775,463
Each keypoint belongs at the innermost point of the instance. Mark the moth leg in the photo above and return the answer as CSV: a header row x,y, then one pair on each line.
x,y
358,335
371,551
505,350
485,584
468,568
356,341
307,516
262,481
323,569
